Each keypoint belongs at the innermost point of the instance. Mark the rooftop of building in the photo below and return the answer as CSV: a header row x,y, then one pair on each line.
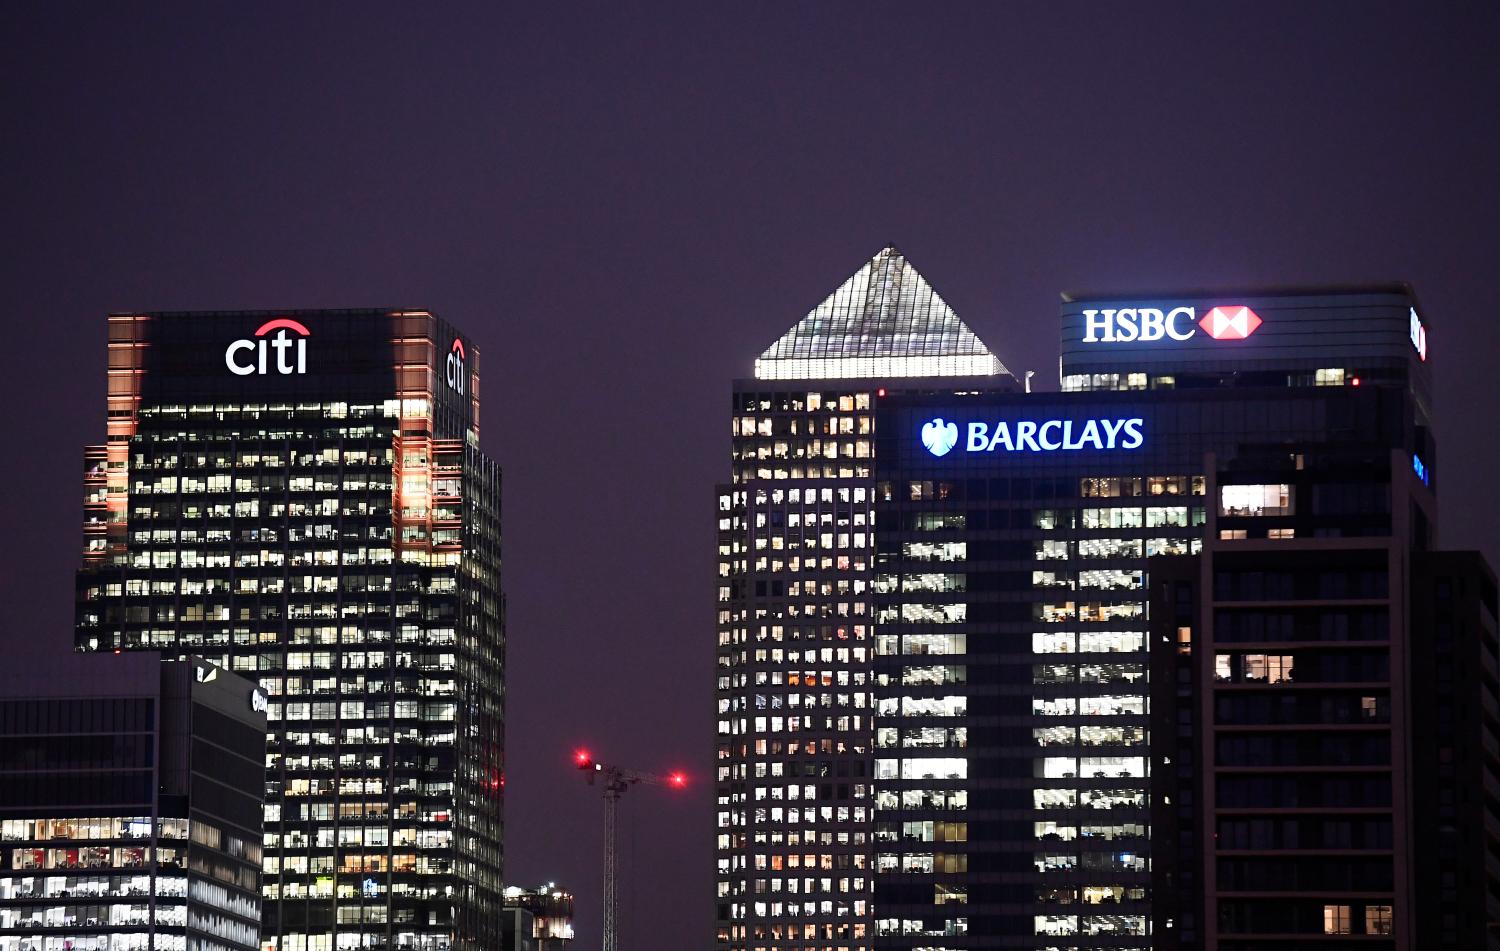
x,y
885,321
1400,288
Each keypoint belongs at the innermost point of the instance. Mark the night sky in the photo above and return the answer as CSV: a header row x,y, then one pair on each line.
x,y
623,205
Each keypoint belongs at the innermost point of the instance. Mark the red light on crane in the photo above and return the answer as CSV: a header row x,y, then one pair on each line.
x,y
616,781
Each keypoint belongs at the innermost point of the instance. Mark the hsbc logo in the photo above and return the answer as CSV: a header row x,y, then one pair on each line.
x,y
457,375
1129,324
1230,323
244,357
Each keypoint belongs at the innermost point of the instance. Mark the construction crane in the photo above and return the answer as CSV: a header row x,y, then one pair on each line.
x,y
615,780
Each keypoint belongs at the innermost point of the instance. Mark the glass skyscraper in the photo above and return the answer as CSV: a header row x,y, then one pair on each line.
x,y
933,670
301,498
796,627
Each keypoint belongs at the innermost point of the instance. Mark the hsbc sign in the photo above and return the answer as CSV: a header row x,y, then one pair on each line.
x,y
1130,324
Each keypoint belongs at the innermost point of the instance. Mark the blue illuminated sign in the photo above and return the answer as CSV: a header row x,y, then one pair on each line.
x,y
939,437
1420,469
1027,435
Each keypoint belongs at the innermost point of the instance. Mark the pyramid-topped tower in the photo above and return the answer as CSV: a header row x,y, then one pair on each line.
x,y
885,321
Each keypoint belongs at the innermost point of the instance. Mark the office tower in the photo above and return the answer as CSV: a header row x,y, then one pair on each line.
x,y
1455,742
794,781
130,816
986,652
301,497
1324,713
1324,754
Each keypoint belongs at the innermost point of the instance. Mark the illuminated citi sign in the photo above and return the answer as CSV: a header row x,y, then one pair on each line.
x,y
1418,334
253,354
455,367
941,436
1128,324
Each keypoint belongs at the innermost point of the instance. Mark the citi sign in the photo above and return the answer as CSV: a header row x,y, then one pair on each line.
x,y
252,355
1126,324
1418,334
456,374
1028,435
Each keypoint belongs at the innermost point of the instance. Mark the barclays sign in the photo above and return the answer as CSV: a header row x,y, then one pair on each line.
x,y
941,436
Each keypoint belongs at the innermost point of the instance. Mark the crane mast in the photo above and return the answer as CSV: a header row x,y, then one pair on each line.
x,y
615,780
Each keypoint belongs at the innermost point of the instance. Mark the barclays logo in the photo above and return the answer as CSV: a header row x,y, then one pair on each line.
x,y
1032,435
939,437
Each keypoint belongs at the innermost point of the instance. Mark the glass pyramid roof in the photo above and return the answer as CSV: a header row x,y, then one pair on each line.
x,y
886,321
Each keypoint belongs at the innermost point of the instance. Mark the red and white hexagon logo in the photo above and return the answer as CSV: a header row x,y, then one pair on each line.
x,y
1230,323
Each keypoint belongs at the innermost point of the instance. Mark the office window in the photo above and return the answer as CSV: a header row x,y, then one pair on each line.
x,y
1336,919
1256,500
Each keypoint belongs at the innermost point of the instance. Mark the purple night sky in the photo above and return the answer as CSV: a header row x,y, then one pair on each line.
x,y
624,205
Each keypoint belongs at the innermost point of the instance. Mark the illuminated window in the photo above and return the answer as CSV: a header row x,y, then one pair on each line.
x,y
1256,500
1377,919
1053,642
1336,919
1048,550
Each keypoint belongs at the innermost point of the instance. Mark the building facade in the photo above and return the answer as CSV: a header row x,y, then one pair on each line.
x,y
933,668
130,819
301,497
1455,745
1326,755
539,919
795,623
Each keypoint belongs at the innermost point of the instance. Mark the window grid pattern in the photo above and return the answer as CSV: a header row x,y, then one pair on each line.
x,y
348,559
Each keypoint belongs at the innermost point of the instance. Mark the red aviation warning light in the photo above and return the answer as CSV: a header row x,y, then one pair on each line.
x,y
583,760
1230,323
677,780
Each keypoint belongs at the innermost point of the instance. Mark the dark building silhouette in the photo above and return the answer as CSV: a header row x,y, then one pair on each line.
x,y
1324,741
130,817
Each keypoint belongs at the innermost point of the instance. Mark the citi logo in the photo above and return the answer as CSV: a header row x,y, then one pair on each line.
x,y
457,377
1128,324
256,360
1418,334
939,437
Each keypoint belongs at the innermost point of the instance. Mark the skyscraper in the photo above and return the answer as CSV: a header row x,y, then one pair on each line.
x,y
301,497
1324,733
795,656
130,815
933,670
